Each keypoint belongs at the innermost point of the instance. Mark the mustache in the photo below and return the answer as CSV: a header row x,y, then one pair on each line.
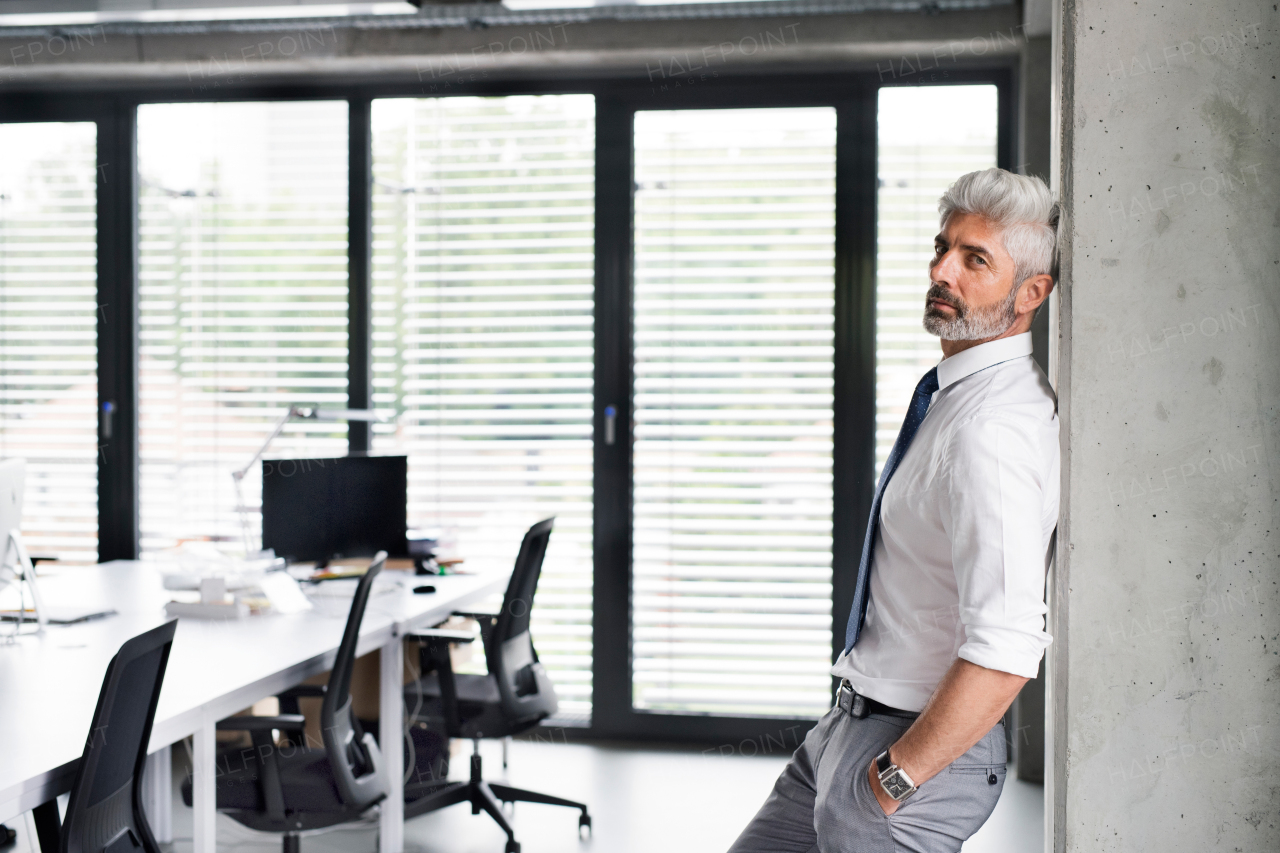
x,y
941,294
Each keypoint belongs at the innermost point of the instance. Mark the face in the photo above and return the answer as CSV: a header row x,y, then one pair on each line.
x,y
971,296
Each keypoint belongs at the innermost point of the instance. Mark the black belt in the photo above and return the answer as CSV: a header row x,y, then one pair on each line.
x,y
858,706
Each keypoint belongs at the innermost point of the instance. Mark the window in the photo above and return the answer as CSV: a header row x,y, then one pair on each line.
x,y
731,502
483,341
916,166
243,303
734,331
49,314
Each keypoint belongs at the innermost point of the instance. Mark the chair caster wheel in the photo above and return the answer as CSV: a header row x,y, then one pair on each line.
x,y
513,847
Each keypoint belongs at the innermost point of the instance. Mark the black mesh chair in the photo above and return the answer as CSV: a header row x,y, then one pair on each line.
x,y
294,787
515,695
105,812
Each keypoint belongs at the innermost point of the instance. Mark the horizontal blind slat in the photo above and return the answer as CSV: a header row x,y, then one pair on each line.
x,y
48,359
483,319
243,270
733,420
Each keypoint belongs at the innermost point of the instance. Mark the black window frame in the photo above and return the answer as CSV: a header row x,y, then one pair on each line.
x,y
853,95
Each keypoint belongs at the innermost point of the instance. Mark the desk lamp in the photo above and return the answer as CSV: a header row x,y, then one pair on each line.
x,y
304,413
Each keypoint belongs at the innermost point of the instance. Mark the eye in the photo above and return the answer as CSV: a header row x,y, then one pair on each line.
x,y
980,259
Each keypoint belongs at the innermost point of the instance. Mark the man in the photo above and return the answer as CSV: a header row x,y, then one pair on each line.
x,y
948,614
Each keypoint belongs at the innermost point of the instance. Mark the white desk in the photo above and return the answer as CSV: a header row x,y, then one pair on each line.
x,y
49,684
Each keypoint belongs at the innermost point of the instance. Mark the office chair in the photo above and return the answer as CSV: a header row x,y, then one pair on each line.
x,y
514,696
105,813
291,788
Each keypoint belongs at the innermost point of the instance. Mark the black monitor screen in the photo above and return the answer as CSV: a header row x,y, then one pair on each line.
x,y
321,509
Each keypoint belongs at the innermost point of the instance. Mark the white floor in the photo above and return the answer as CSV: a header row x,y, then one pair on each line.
x,y
642,800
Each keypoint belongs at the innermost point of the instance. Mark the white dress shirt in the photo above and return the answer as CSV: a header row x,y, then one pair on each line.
x,y
965,527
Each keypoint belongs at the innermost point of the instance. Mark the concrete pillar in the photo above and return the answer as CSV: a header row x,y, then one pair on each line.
x,y
1164,676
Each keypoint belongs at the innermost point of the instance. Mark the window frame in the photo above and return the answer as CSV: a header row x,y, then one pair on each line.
x,y
619,95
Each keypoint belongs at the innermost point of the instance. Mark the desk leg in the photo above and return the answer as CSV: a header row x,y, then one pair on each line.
x,y
48,826
203,791
157,786
391,741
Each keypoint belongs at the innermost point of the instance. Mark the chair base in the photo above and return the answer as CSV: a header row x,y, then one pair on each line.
x,y
486,796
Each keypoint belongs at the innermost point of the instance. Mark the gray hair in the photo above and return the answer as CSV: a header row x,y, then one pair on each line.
x,y
1021,207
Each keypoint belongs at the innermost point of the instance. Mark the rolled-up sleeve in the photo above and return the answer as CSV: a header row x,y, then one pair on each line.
x,y
995,518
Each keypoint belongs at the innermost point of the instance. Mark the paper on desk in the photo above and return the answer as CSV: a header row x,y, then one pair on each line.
x,y
284,593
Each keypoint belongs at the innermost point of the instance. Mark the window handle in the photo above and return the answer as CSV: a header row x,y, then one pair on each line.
x,y
610,425
108,409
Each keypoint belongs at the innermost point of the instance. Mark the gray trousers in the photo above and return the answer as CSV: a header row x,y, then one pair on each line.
x,y
822,802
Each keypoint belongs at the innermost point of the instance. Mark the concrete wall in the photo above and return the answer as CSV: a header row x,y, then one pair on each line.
x,y
1165,670
438,56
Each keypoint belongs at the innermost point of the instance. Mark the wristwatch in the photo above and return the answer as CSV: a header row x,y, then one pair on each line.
x,y
893,779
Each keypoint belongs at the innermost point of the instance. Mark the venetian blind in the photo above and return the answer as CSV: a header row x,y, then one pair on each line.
x,y
48,330
916,165
243,302
734,326
483,343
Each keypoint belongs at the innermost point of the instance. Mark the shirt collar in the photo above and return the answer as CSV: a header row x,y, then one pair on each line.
x,y
968,362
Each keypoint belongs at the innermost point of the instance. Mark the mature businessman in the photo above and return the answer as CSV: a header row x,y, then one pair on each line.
x,y
947,621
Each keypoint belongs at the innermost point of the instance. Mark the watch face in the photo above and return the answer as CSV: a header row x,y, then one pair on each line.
x,y
896,785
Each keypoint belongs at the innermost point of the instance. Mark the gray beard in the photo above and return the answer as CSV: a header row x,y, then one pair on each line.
x,y
970,324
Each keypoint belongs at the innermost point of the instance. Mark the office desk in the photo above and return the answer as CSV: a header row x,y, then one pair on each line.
x,y
49,684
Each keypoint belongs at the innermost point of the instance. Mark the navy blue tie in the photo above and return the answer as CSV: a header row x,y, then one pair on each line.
x,y
915,416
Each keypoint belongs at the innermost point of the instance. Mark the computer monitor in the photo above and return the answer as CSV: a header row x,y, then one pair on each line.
x,y
324,509
13,475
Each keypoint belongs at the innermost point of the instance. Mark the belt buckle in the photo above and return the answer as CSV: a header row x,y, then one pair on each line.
x,y
857,705
845,689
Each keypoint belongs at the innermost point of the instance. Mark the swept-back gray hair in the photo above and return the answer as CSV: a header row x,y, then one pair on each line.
x,y
1021,207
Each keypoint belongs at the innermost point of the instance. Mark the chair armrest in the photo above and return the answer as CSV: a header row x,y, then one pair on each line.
x,y
303,691
289,698
259,729
428,634
433,655
487,621
478,615
284,722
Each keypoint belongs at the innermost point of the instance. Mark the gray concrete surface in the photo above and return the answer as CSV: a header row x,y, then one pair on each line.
x,y
1164,674
219,59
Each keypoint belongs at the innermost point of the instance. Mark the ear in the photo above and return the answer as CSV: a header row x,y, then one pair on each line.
x,y
1034,291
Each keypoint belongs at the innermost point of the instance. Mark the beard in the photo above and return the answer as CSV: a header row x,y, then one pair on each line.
x,y
969,323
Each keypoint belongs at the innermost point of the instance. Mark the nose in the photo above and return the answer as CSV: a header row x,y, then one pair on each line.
x,y
942,270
